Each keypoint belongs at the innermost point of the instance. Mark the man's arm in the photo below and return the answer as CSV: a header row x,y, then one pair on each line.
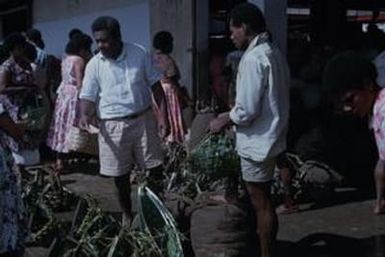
x,y
87,114
249,96
223,120
88,97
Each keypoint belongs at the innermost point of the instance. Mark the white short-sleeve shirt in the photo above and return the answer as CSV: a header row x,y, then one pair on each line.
x,y
379,62
121,86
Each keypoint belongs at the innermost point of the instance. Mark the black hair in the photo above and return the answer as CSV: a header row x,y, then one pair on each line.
x,y
87,41
250,15
109,24
73,32
78,43
347,71
30,52
34,35
14,40
163,41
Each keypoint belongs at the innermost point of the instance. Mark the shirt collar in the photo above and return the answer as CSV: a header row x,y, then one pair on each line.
x,y
121,57
259,39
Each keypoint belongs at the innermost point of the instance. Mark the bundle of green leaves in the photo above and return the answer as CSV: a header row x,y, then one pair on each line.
x,y
215,157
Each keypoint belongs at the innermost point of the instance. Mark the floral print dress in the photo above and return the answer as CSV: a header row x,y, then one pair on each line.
x,y
66,112
20,100
13,225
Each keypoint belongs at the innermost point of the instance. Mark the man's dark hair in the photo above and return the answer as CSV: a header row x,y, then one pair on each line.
x,y
14,40
250,15
163,41
73,32
109,24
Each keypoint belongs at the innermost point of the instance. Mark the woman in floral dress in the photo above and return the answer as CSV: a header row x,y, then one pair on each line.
x,y
20,98
78,52
163,45
13,225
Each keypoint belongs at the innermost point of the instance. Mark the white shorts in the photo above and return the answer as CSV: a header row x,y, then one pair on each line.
x,y
253,171
126,142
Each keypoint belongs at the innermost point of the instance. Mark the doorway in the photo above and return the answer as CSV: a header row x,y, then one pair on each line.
x,y
15,16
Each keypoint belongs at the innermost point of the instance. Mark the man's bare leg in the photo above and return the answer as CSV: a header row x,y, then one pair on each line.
x,y
123,186
267,222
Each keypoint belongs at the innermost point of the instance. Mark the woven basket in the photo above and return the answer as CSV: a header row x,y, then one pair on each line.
x,y
83,142
215,156
37,118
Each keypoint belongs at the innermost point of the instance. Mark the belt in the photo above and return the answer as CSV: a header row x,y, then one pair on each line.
x,y
130,116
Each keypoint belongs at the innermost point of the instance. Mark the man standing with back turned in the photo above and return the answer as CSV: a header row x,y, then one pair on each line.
x,y
116,87
260,114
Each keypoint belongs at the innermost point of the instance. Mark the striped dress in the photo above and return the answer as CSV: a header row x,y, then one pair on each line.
x,y
170,86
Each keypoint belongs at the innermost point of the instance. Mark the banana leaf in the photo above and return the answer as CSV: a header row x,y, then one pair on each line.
x,y
155,219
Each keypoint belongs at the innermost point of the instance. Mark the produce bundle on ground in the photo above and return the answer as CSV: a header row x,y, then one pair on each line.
x,y
220,229
43,197
212,166
215,157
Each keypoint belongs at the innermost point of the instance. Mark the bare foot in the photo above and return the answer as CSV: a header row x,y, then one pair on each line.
x,y
379,209
60,168
287,209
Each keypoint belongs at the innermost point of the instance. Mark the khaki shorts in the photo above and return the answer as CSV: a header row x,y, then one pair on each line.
x,y
260,172
126,142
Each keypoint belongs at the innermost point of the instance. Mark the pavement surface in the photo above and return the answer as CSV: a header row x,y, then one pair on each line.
x,y
343,226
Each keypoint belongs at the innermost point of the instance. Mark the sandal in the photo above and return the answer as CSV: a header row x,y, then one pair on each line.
x,y
285,209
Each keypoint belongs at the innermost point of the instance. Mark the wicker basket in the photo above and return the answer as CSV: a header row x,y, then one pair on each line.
x,y
83,142
215,156
37,118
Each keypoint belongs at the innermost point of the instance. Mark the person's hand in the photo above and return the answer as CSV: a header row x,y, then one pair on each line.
x,y
219,123
163,129
86,121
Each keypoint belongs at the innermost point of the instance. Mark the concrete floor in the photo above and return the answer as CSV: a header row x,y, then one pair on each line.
x,y
344,227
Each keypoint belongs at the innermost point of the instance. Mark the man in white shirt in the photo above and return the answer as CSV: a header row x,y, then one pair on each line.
x,y
35,38
260,114
379,62
116,97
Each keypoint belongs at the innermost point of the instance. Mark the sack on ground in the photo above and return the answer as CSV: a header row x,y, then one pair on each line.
x,y
220,229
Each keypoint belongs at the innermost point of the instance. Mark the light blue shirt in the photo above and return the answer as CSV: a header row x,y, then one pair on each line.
x,y
41,57
261,110
120,87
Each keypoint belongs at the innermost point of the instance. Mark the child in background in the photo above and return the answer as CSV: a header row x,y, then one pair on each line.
x,y
350,80
175,96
